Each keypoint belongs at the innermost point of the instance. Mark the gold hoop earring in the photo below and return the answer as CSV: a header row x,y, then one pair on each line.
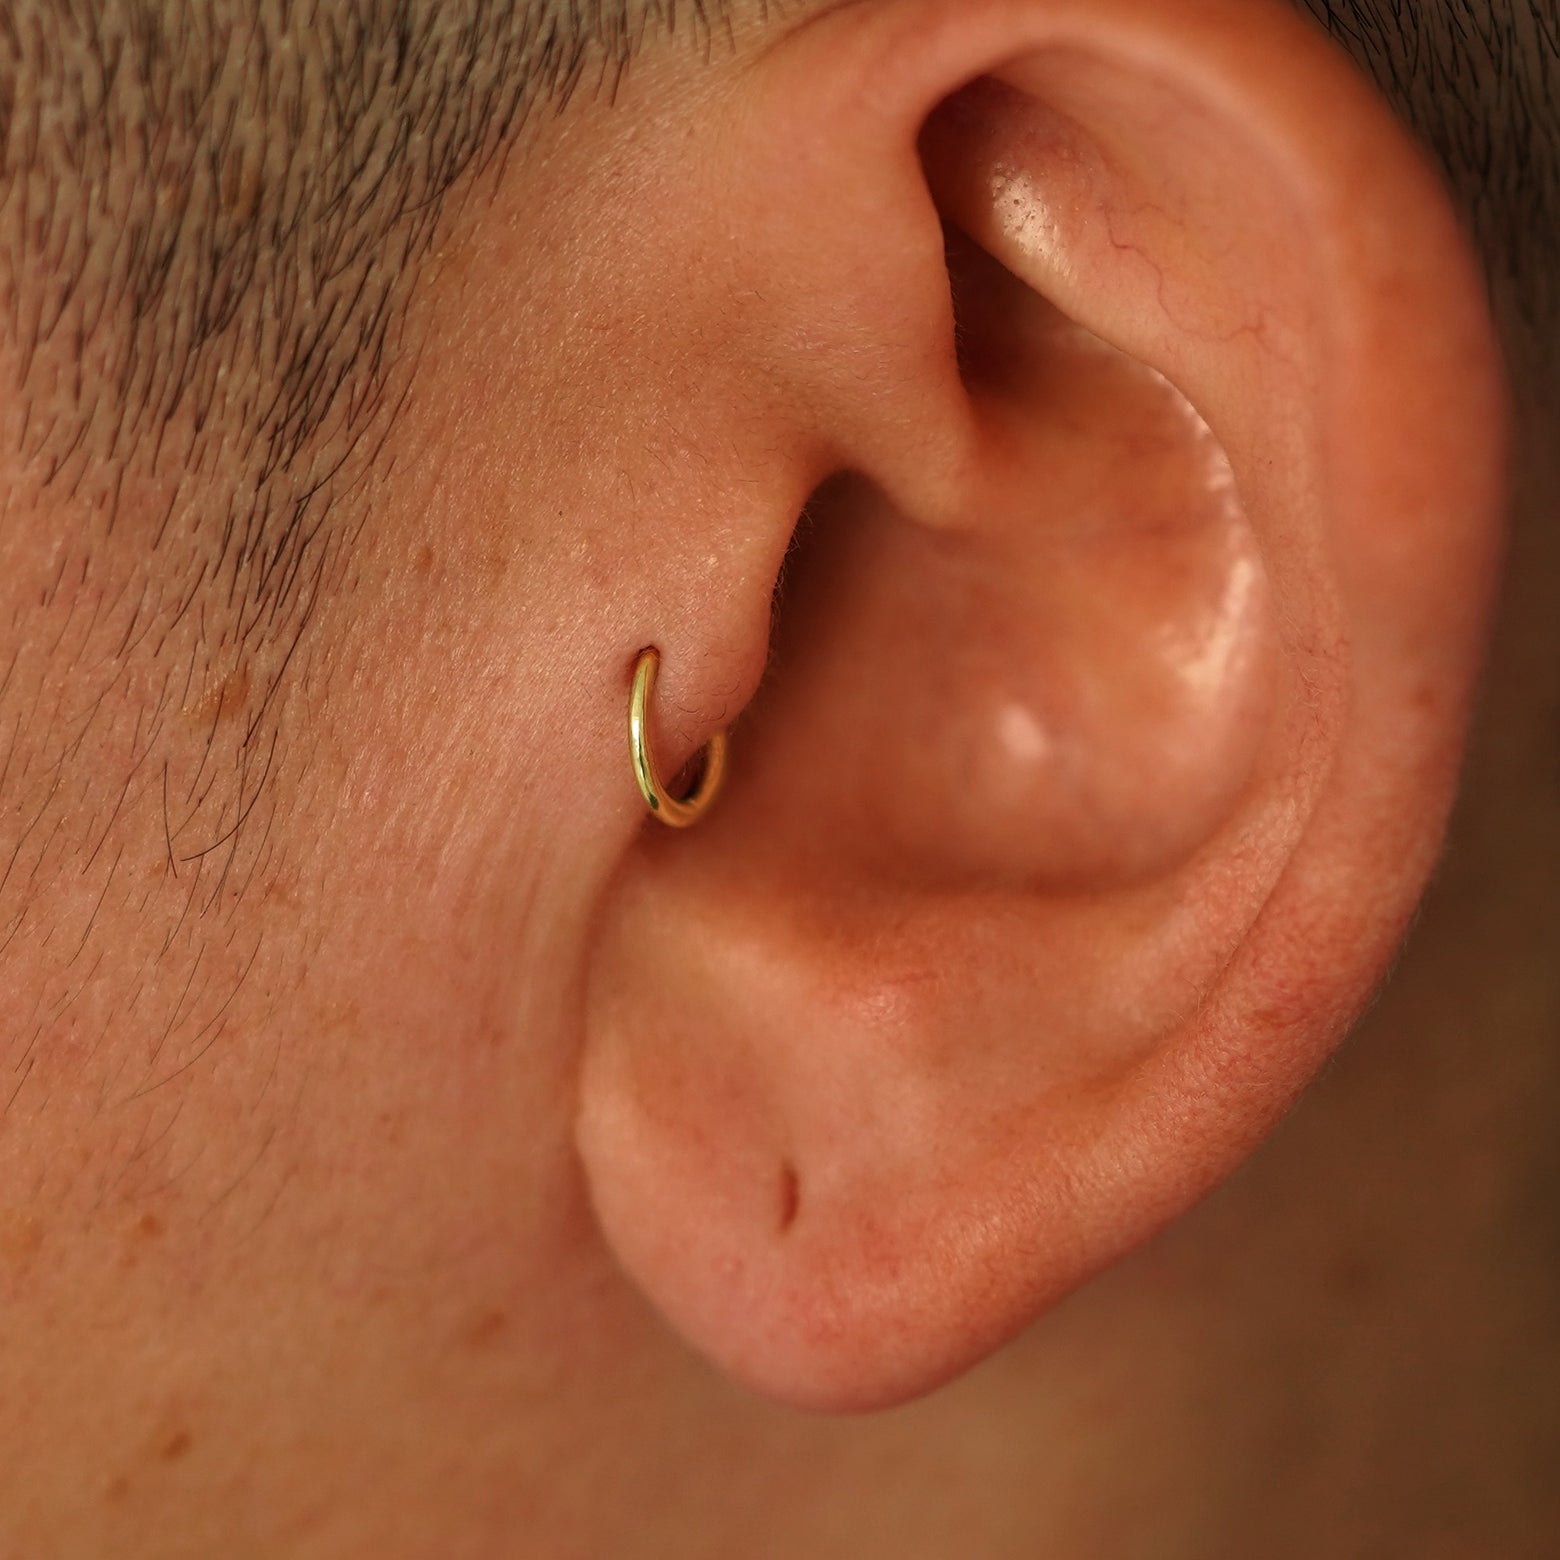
x,y
672,812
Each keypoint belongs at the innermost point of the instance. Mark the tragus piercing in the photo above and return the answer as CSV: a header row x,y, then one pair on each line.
x,y
672,812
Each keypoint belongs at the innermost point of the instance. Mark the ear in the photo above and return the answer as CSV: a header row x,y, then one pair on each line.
x,y
1119,681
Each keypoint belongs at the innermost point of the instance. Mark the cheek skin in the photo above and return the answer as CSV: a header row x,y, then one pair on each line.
x,y
537,534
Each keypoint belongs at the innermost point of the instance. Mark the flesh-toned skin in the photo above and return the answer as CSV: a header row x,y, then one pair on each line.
x,y
1112,710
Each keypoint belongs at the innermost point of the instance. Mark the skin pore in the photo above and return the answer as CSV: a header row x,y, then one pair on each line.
x,y
303,834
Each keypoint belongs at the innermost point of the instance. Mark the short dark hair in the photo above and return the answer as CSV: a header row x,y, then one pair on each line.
x,y
213,212
1479,80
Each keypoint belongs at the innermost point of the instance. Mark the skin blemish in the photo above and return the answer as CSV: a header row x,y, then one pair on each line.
x,y
146,1229
485,1330
175,1446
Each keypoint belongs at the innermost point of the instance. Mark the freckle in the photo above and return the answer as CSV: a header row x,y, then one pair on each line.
x,y
790,1197
423,562
225,702
175,1446
119,1488
485,1330
235,693
149,1226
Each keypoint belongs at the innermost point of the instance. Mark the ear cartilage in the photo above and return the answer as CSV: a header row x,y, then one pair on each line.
x,y
674,813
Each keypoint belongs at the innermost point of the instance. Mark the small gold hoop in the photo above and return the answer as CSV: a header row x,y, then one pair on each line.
x,y
675,814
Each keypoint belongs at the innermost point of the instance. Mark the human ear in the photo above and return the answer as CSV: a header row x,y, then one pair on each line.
x,y
1119,680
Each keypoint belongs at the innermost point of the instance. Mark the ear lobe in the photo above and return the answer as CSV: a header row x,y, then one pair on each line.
x,y
1104,758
